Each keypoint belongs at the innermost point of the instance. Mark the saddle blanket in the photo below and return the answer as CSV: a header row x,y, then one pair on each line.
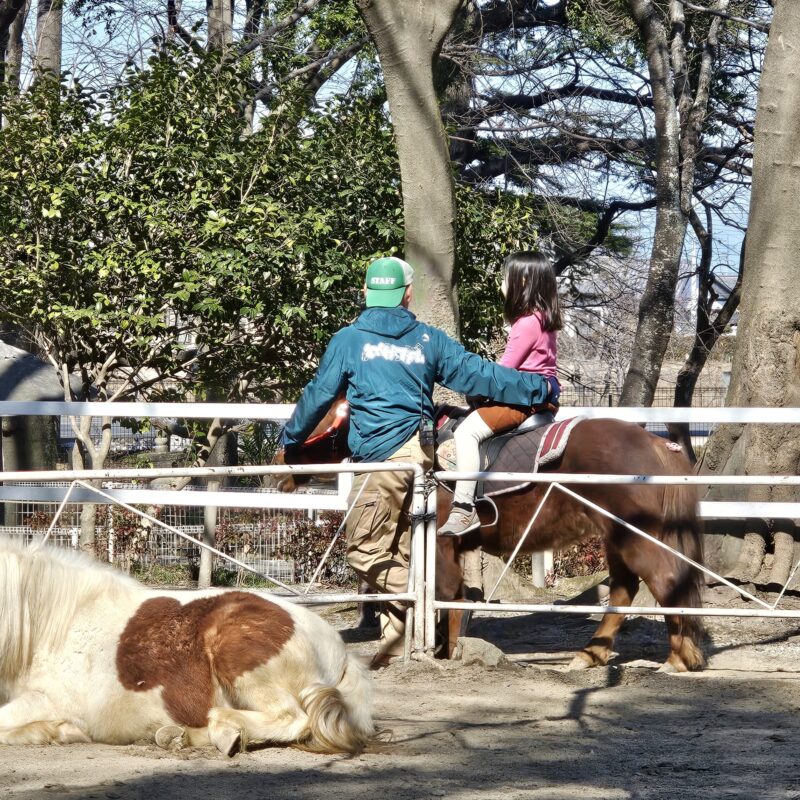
x,y
524,452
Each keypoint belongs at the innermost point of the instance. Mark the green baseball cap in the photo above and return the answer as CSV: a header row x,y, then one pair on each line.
x,y
386,282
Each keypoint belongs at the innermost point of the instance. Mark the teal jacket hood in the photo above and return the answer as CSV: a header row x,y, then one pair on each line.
x,y
387,364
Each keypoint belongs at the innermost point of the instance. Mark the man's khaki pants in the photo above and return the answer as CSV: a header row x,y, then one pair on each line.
x,y
379,537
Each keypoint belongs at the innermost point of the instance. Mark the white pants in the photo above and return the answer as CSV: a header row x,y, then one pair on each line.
x,y
468,437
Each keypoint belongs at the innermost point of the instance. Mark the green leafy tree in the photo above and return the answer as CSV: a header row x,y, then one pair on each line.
x,y
151,251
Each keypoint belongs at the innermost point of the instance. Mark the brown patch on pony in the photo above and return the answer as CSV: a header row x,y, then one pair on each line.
x,y
185,648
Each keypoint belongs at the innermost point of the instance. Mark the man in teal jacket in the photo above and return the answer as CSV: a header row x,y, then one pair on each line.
x,y
387,363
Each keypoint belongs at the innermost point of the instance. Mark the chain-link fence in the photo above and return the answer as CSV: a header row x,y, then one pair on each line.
x,y
273,542
664,398
280,543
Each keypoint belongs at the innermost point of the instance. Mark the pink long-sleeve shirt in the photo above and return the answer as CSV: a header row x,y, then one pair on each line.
x,y
531,349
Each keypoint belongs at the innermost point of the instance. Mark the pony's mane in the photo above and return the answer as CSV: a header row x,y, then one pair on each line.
x,y
40,591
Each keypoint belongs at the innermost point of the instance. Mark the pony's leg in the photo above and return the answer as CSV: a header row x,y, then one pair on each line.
x,y
456,622
43,732
623,584
32,719
453,624
685,655
684,633
232,730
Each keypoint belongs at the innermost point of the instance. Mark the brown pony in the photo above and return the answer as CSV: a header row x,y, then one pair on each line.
x,y
604,447
668,513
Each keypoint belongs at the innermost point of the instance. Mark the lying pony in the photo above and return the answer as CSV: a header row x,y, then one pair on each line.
x,y
90,655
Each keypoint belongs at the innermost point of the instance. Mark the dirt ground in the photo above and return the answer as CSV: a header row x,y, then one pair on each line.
x,y
527,729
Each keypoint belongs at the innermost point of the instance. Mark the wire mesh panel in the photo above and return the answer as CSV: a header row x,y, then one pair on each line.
x,y
264,539
714,397
60,537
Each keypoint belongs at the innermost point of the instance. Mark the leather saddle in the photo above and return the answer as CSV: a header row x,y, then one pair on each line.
x,y
513,451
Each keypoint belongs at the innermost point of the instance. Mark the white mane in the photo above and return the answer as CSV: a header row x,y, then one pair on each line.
x,y
40,589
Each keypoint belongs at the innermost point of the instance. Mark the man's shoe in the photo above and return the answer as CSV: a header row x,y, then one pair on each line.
x,y
460,521
383,660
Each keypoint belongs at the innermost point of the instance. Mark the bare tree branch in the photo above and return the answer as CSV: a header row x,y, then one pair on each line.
x,y
500,103
503,15
333,61
301,10
604,223
756,24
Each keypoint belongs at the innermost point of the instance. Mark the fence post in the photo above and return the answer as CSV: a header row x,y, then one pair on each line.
x,y
537,570
417,566
344,484
541,564
430,575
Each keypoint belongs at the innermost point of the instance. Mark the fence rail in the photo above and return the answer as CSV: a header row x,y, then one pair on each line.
x,y
422,603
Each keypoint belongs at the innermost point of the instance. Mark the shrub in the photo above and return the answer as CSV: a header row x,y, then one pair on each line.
x,y
308,543
585,558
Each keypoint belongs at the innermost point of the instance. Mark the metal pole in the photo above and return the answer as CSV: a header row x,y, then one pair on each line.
x,y
537,570
430,575
642,611
571,478
34,476
416,570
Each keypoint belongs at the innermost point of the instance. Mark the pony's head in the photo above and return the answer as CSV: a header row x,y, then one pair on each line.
x,y
327,444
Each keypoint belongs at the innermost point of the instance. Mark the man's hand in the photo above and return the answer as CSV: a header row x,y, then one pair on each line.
x,y
285,483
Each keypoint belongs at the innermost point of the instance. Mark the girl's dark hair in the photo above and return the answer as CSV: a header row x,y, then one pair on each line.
x,y
531,286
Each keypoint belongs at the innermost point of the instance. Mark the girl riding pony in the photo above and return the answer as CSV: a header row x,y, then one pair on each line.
x,y
533,312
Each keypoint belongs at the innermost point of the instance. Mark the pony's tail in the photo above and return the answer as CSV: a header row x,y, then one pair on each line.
x,y
340,717
683,531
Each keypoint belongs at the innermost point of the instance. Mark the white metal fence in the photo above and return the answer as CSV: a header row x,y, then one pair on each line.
x,y
420,595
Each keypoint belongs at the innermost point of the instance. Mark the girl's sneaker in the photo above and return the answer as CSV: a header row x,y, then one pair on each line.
x,y
460,522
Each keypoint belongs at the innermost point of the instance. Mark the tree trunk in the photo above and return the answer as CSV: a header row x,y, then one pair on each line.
x,y
657,307
173,12
408,35
224,454
707,330
255,11
49,18
9,9
97,459
766,362
679,117
14,48
86,540
220,23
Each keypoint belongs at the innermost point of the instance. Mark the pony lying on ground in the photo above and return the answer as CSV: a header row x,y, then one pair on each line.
x,y
88,654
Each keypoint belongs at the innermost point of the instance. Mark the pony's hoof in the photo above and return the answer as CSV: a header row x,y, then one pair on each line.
x,y
227,739
71,734
668,668
579,662
171,737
